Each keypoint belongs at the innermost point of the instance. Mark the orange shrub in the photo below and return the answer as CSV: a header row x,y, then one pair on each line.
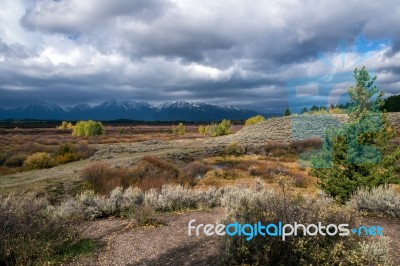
x,y
103,178
152,172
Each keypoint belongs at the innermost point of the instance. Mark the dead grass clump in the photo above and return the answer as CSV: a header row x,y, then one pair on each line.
x,y
255,171
103,178
301,146
223,177
84,150
69,152
300,180
269,169
196,170
228,174
276,148
280,149
146,216
152,172
8,171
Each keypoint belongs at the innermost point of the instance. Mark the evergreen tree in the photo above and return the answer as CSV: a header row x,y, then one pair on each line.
x,y
356,155
287,112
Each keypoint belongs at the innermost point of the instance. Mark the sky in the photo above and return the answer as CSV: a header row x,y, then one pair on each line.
x,y
254,54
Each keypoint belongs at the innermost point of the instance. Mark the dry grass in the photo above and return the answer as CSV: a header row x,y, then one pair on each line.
x,y
103,178
23,142
149,173
229,169
152,172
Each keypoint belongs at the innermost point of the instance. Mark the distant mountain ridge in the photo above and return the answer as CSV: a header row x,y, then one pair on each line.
x,y
127,109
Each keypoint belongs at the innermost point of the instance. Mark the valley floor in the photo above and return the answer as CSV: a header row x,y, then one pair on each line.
x,y
121,243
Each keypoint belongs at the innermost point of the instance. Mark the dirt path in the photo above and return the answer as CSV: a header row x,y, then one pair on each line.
x,y
171,245
164,245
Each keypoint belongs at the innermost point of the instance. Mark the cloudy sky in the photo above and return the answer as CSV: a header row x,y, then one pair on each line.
x,y
248,54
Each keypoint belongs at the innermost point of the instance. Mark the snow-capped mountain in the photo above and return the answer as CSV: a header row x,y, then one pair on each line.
x,y
80,111
133,110
119,109
195,111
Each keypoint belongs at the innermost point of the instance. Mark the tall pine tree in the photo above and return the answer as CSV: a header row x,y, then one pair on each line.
x,y
356,155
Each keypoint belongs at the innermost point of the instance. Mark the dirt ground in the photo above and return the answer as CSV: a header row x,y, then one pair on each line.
x,y
168,244
391,229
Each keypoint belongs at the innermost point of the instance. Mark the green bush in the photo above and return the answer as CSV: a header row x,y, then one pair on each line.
x,y
202,130
221,129
179,130
39,160
234,148
88,128
66,125
254,120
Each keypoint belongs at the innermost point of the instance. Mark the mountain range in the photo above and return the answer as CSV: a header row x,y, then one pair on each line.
x,y
132,110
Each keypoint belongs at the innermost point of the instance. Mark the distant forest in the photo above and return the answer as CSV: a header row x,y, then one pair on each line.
x,y
392,104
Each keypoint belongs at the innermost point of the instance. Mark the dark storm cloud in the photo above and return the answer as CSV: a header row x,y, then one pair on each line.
x,y
72,16
224,52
